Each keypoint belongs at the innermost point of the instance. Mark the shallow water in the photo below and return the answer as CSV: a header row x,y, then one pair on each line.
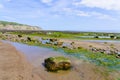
x,y
34,54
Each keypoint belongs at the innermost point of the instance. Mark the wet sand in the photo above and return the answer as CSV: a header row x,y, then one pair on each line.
x,y
13,65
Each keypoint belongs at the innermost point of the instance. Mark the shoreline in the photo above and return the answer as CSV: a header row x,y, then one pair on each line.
x,y
13,64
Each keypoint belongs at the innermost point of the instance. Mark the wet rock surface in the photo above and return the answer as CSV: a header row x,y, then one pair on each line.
x,y
57,63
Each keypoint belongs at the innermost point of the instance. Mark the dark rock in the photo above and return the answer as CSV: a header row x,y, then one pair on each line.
x,y
57,63
96,36
118,37
80,47
118,56
112,37
29,39
72,43
94,49
64,46
52,40
19,36
101,50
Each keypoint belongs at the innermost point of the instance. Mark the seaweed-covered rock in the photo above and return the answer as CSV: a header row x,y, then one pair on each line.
x,y
57,63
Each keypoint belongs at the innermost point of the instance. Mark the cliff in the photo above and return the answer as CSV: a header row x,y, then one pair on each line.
x,y
4,25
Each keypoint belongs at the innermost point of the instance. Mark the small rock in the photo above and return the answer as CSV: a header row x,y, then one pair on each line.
x,y
19,36
29,39
118,56
59,43
52,40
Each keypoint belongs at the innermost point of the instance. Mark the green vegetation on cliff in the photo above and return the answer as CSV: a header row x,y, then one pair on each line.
x,y
5,25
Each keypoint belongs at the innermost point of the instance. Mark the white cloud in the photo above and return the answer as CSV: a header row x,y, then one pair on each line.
x,y
83,14
95,15
46,1
67,10
70,11
104,4
101,16
76,12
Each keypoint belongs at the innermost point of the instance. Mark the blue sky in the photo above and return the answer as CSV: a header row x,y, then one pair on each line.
x,y
79,15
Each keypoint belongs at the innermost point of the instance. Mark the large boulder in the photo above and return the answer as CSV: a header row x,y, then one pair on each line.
x,y
57,63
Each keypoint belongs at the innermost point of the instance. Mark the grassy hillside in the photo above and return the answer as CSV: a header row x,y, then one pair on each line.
x,y
16,26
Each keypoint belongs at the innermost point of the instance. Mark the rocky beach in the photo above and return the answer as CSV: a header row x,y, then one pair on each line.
x,y
14,65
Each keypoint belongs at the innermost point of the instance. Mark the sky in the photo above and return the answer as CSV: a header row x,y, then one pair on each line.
x,y
75,15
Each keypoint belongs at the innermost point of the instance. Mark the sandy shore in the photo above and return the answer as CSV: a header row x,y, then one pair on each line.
x,y
13,65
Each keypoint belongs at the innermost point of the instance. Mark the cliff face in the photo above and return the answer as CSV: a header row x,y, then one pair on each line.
x,y
16,26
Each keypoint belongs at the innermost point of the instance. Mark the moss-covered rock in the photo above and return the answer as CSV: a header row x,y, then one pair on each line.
x,y
57,63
